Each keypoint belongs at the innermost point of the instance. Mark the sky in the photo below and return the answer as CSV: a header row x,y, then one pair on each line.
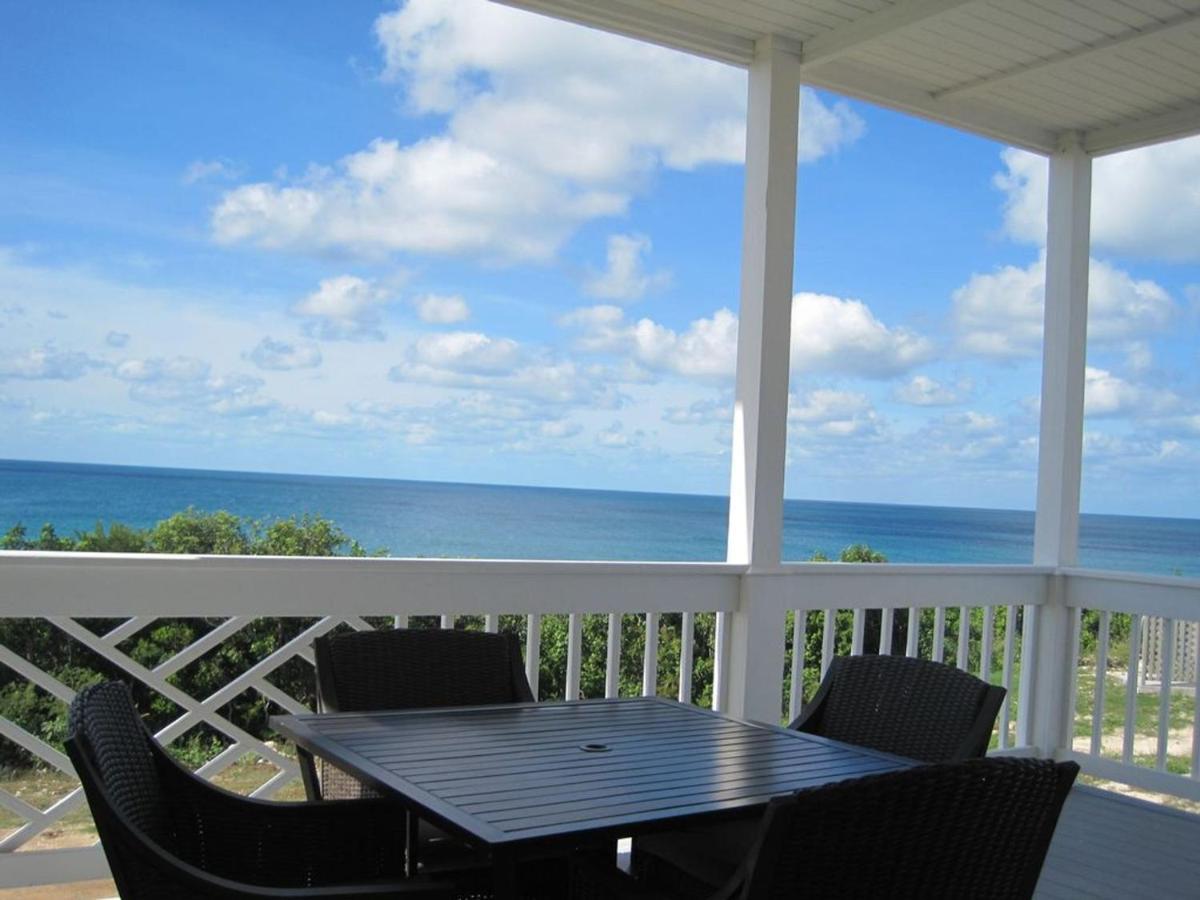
x,y
449,240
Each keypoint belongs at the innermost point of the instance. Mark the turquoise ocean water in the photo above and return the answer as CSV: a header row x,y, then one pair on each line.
x,y
414,518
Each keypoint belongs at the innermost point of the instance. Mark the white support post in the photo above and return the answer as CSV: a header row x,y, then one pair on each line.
x,y
756,634
1045,650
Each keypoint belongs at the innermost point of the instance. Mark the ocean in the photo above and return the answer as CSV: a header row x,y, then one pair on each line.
x,y
433,519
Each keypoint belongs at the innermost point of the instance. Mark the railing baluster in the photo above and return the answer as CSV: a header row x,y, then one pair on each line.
x,y
533,651
574,651
964,637
687,642
796,696
939,634
650,662
612,662
827,641
885,631
1167,672
491,623
856,633
720,660
1072,707
912,646
1131,687
1010,619
987,642
448,621
1101,685
1196,722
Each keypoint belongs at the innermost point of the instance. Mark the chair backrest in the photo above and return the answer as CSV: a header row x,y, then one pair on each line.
x,y
911,707
408,668
106,732
120,768
979,829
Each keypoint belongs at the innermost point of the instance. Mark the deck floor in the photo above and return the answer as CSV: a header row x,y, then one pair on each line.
x,y
1107,845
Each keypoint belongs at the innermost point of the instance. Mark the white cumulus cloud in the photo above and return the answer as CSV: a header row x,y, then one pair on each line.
x,y
344,308
829,334
1109,395
283,356
1000,314
547,126
45,364
831,413
1145,202
706,349
843,336
437,309
625,277
921,390
467,351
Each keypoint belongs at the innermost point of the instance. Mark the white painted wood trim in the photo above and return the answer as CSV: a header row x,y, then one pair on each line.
x,y
574,654
765,311
533,651
843,39
1064,356
1138,776
612,662
650,657
886,624
84,584
687,642
1132,678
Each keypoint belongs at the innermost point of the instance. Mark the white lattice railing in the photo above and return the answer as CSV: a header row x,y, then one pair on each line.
x,y
71,591
1123,727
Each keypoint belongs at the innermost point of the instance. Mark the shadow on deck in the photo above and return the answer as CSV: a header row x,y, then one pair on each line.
x,y
1107,845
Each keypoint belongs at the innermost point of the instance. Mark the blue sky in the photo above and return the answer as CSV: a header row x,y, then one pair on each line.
x,y
450,240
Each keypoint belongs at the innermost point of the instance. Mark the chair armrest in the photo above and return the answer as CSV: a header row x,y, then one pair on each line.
x,y
298,844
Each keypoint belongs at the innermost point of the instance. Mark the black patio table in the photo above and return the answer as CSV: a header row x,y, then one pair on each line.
x,y
527,779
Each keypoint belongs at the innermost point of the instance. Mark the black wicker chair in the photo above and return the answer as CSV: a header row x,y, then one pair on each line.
x,y
407,668
978,829
168,833
910,707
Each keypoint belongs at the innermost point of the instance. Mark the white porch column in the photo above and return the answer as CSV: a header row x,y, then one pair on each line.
x,y
750,686
1045,699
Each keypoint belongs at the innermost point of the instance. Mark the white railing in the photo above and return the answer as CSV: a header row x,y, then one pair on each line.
x,y
1144,750
323,594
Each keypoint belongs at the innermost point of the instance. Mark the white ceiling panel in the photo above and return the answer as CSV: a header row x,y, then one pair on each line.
x,y
1120,72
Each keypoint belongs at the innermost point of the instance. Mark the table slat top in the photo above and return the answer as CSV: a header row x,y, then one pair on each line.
x,y
520,772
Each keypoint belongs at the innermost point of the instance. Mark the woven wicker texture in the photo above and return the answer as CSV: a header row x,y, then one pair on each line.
x,y
977,829
407,668
412,668
167,833
911,707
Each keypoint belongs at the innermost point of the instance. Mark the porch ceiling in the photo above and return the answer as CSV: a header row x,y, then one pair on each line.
x,y
1122,73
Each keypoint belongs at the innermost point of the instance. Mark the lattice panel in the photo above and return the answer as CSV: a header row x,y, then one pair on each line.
x,y
195,712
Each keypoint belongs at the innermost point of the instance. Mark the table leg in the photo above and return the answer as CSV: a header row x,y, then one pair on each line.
x,y
411,833
504,875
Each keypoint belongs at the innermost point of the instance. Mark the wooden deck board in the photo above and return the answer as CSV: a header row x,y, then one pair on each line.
x,y
1109,846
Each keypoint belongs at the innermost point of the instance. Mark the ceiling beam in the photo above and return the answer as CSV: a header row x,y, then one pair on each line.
x,y
1178,123
895,92
673,30
1127,41
837,42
